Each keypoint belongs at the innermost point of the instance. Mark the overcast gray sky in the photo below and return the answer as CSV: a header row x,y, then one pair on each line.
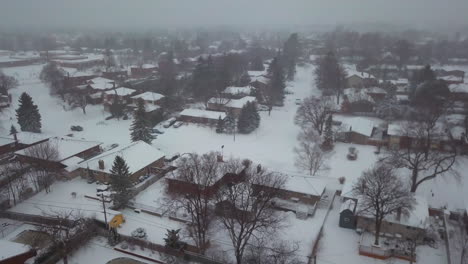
x,y
135,13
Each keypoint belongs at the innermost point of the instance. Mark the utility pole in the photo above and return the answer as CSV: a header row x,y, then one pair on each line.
x,y
104,206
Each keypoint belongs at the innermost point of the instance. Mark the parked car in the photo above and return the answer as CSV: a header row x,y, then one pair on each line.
x,y
298,101
178,124
157,131
169,122
76,128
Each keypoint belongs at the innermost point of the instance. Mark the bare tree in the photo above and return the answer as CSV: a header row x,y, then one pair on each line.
x,y
15,175
313,113
202,171
44,170
7,83
67,230
279,253
245,209
424,162
78,100
380,193
309,155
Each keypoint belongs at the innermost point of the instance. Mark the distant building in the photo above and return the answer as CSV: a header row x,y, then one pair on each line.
x,y
201,116
233,106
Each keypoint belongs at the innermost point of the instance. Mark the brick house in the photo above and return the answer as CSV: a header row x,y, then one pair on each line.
x,y
233,106
356,129
15,253
233,92
141,158
68,150
122,94
201,116
20,140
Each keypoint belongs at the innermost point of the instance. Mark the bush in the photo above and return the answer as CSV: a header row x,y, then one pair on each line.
x,y
139,233
76,128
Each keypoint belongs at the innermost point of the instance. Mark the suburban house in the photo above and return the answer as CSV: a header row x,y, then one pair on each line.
x,y
227,105
401,137
150,98
233,92
100,84
201,116
358,129
20,59
299,194
459,92
145,70
357,79
20,140
357,100
399,224
121,94
58,152
15,253
180,186
141,158
75,78
260,82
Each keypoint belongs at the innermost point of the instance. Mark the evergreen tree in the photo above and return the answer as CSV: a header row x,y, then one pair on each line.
x,y
120,182
328,135
257,64
204,78
291,51
117,108
249,119
220,125
167,75
13,130
276,85
229,123
140,129
244,80
330,76
172,239
28,114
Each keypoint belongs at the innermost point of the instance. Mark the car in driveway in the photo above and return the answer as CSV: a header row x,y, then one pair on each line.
x,y
157,131
168,123
178,124
298,101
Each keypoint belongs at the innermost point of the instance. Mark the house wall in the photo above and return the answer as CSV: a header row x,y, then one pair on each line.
x,y
19,259
7,148
347,219
368,224
200,120
357,138
355,81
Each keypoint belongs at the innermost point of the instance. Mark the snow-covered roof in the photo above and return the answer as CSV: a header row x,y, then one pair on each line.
x,y
10,249
6,141
100,83
137,155
148,96
239,103
305,185
67,147
459,88
238,90
96,95
355,94
358,124
401,81
71,163
256,73
349,204
203,113
261,79
361,74
402,97
374,90
452,78
148,66
417,217
28,138
122,91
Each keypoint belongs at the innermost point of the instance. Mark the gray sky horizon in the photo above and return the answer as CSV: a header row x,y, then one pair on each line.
x,y
154,13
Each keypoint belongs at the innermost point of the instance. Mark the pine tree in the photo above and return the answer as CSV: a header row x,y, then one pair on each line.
x,y
277,83
13,130
172,239
229,123
257,64
120,182
249,119
291,51
140,129
328,135
28,114
330,76
220,125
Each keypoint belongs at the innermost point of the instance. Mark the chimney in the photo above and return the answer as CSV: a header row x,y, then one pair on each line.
x,y
101,164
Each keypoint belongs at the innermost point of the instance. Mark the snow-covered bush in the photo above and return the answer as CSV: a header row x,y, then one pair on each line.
x,y
139,233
